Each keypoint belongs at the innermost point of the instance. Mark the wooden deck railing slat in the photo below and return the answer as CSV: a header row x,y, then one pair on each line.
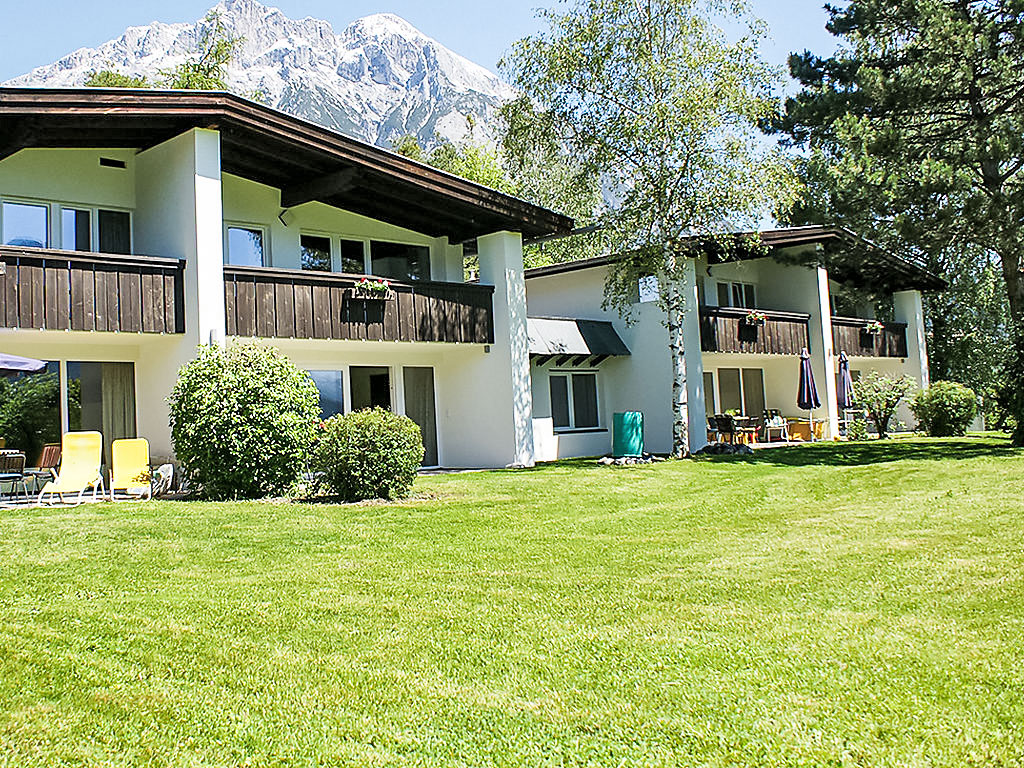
x,y
723,329
284,303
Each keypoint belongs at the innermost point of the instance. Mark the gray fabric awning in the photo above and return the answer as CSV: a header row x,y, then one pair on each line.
x,y
556,336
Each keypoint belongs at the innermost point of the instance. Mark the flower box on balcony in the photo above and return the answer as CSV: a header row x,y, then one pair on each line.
x,y
874,328
371,290
756,318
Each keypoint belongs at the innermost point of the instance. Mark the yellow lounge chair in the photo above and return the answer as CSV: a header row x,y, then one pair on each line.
x,y
130,472
81,456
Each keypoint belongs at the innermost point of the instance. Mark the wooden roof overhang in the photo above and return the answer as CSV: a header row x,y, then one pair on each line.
x,y
850,259
305,161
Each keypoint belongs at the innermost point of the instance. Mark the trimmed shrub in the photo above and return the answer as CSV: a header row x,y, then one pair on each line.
x,y
370,454
879,395
242,421
945,409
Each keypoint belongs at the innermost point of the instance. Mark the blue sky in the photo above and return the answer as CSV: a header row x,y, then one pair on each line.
x,y
39,33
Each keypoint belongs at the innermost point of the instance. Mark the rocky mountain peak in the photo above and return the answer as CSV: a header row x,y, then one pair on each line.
x,y
377,79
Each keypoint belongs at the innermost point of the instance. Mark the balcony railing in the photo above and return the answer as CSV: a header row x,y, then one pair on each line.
x,y
850,335
725,329
288,303
75,291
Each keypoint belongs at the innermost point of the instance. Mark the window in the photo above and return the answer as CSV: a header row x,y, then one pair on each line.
x,y
371,387
736,295
245,247
741,391
332,397
400,261
316,252
115,231
353,261
647,289
575,406
26,224
709,393
76,230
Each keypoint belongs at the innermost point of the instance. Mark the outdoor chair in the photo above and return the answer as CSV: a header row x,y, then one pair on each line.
x,y
713,435
81,456
130,471
774,422
729,429
46,467
12,470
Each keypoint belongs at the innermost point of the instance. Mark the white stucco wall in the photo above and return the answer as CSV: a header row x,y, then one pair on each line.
x,y
641,382
251,203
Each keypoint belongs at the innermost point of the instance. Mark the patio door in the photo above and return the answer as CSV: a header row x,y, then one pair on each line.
x,y
741,390
419,406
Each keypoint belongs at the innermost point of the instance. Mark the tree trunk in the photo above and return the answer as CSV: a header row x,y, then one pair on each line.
x,y
673,301
1010,259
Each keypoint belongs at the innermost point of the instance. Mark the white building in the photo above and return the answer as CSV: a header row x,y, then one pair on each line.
x,y
136,225
741,368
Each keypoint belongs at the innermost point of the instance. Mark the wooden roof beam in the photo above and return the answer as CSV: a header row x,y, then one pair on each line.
x,y
325,186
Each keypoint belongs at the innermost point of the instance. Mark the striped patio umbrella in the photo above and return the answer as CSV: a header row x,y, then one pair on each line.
x,y
844,396
807,393
11,365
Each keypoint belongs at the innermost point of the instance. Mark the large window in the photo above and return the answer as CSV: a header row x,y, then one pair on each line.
x,y
736,295
332,395
741,391
30,411
316,252
353,257
400,261
574,400
245,247
26,224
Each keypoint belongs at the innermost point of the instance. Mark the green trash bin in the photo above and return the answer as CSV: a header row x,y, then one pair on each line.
x,y
627,434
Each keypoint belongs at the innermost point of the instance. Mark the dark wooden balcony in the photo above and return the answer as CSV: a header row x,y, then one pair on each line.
x,y
289,303
41,288
724,329
849,335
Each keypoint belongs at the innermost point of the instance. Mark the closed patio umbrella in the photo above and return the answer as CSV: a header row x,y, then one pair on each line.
x,y
807,394
844,396
11,365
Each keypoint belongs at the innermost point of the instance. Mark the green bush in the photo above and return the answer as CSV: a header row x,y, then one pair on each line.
x,y
945,409
857,430
879,395
370,454
242,421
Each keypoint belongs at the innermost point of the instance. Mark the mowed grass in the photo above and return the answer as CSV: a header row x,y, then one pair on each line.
x,y
817,606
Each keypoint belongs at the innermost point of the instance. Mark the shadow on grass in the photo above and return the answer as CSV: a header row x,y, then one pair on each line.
x,y
883,451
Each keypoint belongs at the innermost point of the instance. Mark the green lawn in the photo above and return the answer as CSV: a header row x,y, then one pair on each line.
x,y
822,605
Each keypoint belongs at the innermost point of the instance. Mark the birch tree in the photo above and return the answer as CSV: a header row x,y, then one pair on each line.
x,y
665,105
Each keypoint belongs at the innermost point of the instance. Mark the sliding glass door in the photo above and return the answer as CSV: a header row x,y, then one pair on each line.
x,y
101,398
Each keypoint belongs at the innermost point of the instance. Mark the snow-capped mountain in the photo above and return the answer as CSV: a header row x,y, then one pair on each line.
x,y
376,80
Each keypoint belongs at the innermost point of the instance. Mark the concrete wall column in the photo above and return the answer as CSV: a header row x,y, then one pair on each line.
x,y
910,310
697,423
506,386
179,214
823,355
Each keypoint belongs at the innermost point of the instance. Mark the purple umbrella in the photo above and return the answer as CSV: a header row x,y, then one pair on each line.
x,y
12,364
807,394
844,396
